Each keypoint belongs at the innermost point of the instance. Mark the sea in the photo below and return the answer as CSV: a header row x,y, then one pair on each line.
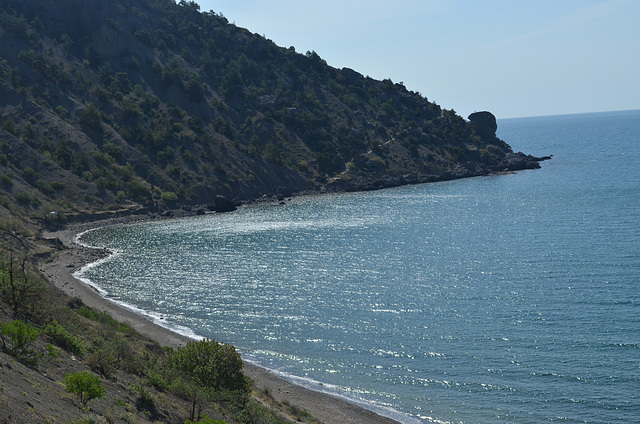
x,y
502,299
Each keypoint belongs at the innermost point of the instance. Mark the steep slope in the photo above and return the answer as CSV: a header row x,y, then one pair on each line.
x,y
109,105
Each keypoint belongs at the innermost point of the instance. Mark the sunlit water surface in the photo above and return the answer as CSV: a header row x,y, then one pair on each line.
x,y
506,299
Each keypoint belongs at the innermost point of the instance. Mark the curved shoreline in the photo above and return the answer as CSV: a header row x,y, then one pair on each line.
x,y
59,272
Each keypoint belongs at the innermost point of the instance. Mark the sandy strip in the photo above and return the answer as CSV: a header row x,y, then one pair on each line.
x,y
325,408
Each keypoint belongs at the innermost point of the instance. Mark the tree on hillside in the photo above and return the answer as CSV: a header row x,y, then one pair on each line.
x,y
16,338
210,370
18,288
84,384
90,118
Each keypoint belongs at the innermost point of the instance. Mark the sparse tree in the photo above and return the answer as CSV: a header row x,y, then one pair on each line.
x,y
84,384
18,288
16,338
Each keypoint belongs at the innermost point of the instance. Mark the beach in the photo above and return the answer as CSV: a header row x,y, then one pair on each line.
x,y
59,272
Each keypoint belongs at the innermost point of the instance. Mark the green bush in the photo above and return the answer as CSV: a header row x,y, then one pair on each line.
x,y
143,35
52,350
211,364
20,288
145,401
17,337
44,187
64,339
9,125
169,196
23,198
104,318
157,380
6,180
30,175
86,385
61,111
138,191
57,185
209,369
103,360
90,118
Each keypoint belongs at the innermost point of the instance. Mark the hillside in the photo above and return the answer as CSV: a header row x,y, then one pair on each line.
x,y
113,105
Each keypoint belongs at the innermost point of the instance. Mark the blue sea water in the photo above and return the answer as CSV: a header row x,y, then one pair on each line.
x,y
503,299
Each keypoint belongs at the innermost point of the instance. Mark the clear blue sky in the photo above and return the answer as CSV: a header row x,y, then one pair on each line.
x,y
511,57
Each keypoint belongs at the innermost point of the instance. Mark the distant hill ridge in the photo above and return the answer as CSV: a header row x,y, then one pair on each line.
x,y
109,105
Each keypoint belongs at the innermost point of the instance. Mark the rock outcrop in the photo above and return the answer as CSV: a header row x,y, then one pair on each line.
x,y
222,204
484,123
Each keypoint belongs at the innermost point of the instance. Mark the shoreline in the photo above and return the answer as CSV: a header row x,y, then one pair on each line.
x,y
326,408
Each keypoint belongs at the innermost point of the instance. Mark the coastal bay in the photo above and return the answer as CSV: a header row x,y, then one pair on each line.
x,y
59,272
454,301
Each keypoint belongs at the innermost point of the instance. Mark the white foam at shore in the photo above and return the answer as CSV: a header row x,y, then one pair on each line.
x,y
157,319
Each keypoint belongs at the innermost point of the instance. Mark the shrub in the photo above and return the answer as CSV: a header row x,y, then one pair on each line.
x,y
157,380
90,118
23,198
9,125
57,185
61,111
17,337
64,339
52,350
195,89
30,175
211,364
144,399
44,187
103,361
84,384
209,367
169,196
187,155
104,318
19,287
6,180
138,191
143,35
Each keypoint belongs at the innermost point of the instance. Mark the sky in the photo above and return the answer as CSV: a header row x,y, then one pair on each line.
x,y
515,58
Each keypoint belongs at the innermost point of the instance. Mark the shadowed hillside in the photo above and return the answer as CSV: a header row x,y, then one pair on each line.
x,y
112,105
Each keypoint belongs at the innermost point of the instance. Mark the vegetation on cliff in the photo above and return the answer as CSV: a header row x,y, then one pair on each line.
x,y
109,105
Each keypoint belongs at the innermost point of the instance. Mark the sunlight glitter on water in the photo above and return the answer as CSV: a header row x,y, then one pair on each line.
x,y
503,299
